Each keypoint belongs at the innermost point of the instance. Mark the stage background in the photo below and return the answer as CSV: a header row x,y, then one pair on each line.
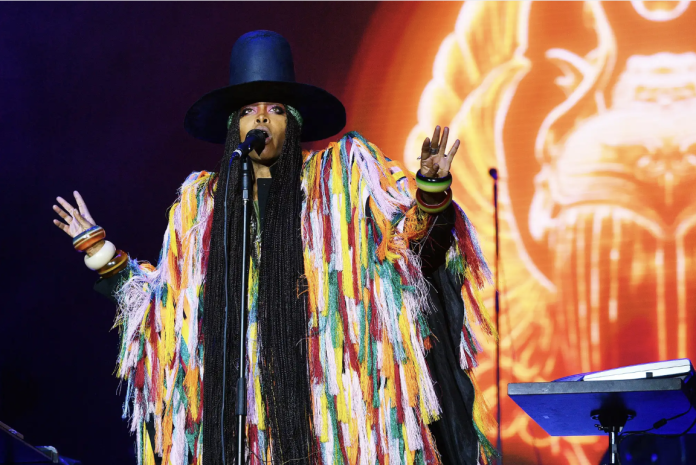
x,y
586,109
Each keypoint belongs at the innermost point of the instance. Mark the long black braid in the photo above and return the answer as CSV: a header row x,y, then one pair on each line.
x,y
282,313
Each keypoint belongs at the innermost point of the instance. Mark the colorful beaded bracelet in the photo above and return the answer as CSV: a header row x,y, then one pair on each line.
x,y
88,238
433,184
432,209
115,265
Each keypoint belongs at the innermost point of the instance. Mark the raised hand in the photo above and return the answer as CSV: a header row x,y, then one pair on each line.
x,y
75,220
435,161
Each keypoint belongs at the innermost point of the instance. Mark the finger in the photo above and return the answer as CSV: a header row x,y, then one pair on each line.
x,y
63,226
83,207
443,142
436,137
425,150
83,222
453,151
447,159
66,205
62,214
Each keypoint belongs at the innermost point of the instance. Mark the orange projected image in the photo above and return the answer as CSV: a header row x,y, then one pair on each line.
x,y
586,109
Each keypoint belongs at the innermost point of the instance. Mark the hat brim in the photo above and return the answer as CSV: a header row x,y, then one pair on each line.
x,y
323,114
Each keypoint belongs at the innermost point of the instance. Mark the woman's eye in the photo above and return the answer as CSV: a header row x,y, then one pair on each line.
x,y
279,110
246,111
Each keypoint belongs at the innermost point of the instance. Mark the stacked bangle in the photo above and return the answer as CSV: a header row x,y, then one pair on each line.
x,y
101,257
432,209
107,261
433,186
88,238
116,264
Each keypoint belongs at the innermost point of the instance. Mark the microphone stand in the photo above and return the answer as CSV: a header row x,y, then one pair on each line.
x,y
255,140
241,382
494,174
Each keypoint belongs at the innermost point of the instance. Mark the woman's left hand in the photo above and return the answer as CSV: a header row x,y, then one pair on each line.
x,y
435,161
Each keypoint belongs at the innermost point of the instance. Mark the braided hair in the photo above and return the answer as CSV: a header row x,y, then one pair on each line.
x,y
282,311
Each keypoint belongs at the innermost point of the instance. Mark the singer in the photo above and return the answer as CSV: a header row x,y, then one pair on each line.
x,y
362,293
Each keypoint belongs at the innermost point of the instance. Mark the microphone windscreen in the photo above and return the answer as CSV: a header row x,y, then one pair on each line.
x,y
256,139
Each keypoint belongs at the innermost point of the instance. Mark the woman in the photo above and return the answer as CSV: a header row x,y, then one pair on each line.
x,y
337,332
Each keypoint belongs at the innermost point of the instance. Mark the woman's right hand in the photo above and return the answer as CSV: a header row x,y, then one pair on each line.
x,y
75,220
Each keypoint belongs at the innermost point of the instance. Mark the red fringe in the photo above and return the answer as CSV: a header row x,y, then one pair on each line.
x,y
430,456
316,371
378,437
466,247
399,398
253,441
477,310
206,242
140,375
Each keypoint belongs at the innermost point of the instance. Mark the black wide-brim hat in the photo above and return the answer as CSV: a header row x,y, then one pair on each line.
x,y
262,70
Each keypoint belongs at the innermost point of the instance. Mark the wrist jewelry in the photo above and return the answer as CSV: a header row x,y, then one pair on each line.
x,y
102,257
432,209
88,238
433,185
116,264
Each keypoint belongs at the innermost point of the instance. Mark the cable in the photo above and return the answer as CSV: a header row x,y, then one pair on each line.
x,y
659,424
677,435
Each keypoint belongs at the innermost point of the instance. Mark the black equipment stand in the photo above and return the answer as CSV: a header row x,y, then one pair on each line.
x,y
247,188
254,140
499,442
582,408
15,450
612,422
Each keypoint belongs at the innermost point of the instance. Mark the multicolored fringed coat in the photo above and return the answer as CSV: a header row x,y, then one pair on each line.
x,y
372,393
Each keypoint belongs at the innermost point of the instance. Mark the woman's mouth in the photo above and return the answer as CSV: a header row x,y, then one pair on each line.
x,y
266,131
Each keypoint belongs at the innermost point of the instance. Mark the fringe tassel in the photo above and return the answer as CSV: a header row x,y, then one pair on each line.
x,y
158,321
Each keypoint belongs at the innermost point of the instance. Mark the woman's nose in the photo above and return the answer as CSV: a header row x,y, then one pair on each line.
x,y
262,118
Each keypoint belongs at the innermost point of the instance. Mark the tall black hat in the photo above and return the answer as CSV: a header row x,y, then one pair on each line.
x,y
262,70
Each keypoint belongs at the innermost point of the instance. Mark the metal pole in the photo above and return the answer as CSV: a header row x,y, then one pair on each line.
x,y
499,443
241,382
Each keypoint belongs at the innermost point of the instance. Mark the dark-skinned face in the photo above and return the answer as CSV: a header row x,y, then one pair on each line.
x,y
270,118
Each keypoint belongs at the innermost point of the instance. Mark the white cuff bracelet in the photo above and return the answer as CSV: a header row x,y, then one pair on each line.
x,y
102,257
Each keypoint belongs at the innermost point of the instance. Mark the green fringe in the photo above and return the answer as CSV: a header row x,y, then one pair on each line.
x,y
456,265
487,448
375,377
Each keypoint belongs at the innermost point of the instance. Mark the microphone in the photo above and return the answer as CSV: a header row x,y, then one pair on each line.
x,y
255,140
494,173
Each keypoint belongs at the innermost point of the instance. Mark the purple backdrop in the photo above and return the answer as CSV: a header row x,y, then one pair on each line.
x,y
92,97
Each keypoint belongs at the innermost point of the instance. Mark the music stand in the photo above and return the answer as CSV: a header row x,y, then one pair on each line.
x,y
14,450
590,408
